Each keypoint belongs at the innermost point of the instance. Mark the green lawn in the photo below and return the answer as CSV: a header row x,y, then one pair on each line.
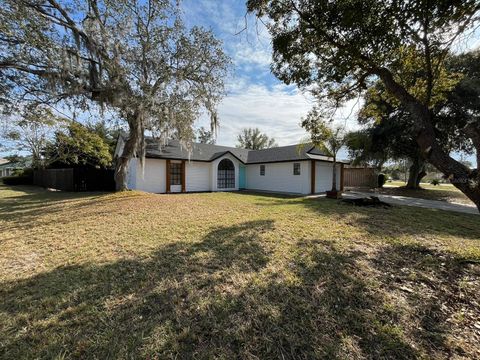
x,y
442,192
231,275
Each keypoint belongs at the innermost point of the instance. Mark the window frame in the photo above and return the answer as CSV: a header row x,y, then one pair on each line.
x,y
262,170
297,167
175,174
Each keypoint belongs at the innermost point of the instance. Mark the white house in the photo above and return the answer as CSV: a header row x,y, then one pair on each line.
x,y
287,169
7,168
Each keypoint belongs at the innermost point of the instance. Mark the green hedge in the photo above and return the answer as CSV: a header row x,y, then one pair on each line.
x,y
24,177
17,180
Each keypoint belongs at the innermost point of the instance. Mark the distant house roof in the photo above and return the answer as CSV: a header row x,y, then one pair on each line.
x,y
5,164
9,165
206,152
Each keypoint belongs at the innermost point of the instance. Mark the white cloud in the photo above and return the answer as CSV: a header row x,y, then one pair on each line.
x,y
276,112
243,53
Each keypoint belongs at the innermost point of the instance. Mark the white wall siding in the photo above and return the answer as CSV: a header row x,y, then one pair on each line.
x,y
197,176
202,176
323,176
153,179
279,177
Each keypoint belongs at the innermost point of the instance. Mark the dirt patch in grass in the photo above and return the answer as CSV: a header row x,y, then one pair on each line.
x,y
233,275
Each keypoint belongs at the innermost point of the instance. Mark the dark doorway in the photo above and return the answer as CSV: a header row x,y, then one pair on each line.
x,y
226,175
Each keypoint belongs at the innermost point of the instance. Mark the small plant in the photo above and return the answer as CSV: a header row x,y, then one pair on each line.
x,y
435,182
382,178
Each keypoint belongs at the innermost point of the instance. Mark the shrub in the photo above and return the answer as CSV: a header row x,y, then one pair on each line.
x,y
23,172
382,178
21,177
17,180
435,182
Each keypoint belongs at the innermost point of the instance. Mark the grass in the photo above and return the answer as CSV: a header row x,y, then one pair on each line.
x,y
442,192
232,275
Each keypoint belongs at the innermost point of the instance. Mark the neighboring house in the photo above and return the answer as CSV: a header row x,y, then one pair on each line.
x,y
172,168
7,168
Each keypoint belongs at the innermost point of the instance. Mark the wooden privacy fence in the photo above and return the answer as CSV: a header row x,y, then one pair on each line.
x,y
360,177
75,179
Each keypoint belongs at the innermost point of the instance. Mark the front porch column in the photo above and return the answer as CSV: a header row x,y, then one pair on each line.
x,y
312,177
183,176
342,170
167,176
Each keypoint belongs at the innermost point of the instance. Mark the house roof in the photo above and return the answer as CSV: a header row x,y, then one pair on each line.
x,y
9,165
199,152
283,153
206,152
25,162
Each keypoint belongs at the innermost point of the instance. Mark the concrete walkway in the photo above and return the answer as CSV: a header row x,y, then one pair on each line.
x,y
409,201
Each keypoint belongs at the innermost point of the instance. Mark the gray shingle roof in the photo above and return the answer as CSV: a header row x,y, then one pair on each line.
x,y
206,152
282,153
200,152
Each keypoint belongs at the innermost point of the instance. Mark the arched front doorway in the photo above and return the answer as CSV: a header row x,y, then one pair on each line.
x,y
226,174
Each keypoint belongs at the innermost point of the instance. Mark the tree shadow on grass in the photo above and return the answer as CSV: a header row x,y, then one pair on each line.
x,y
271,195
111,310
226,296
388,222
331,311
442,292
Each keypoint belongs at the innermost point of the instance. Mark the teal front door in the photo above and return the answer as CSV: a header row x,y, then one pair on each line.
x,y
241,175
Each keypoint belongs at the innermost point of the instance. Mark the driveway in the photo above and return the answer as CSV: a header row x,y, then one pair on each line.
x,y
409,201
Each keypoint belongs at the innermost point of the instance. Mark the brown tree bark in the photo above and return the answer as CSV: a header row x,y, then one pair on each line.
x,y
416,173
131,147
420,176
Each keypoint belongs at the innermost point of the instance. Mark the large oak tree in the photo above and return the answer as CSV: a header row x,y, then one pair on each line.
x,y
134,57
455,100
335,48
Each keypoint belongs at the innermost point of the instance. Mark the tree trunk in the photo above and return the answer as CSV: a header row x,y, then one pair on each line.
x,y
334,176
135,125
416,173
421,175
463,178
